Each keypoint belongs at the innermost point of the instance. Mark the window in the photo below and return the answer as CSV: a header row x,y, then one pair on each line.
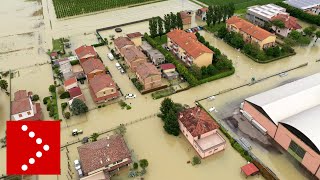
x,y
28,112
111,90
296,149
20,115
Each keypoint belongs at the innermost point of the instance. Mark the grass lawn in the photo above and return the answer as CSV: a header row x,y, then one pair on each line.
x,y
57,45
239,4
162,40
215,28
163,93
65,8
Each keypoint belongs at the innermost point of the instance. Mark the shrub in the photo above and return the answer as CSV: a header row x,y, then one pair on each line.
x,y
137,84
65,95
67,115
64,106
52,88
74,62
135,165
196,160
45,100
35,97
51,112
128,107
49,106
122,104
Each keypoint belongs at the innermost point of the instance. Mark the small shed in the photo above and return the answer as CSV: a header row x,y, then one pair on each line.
x,y
249,169
54,55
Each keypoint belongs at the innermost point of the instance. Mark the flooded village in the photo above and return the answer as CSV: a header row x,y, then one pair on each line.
x,y
121,76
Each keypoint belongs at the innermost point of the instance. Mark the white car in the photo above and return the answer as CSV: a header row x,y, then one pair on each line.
x,y
212,109
110,56
130,96
122,71
77,164
118,65
80,173
211,98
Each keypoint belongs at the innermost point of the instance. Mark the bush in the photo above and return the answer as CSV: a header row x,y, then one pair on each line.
x,y
137,84
49,106
64,106
65,95
45,100
128,107
74,62
35,97
52,88
67,115
196,160
51,112
99,44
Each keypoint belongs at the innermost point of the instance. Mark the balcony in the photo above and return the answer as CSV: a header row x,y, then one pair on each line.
x,y
174,46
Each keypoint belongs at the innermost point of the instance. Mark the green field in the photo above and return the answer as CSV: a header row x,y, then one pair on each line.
x,y
65,8
239,4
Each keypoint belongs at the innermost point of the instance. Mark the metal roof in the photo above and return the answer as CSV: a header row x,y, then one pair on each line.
x,y
295,103
303,4
268,10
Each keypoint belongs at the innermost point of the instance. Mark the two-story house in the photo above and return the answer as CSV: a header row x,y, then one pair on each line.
x,y
154,55
22,108
92,67
186,46
103,88
86,52
133,57
122,42
201,131
105,156
251,33
148,75
202,13
135,38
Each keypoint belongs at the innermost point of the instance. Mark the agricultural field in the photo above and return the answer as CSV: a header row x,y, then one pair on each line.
x,y
239,4
65,8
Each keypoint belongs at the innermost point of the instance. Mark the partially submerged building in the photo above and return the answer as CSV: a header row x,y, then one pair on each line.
x,y
103,88
201,131
310,6
289,114
148,75
85,52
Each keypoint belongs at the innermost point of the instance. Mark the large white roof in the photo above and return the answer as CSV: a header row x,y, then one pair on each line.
x,y
268,10
303,4
294,104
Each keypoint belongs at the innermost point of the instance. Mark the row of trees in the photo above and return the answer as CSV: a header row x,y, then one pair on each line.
x,y
218,13
158,26
169,114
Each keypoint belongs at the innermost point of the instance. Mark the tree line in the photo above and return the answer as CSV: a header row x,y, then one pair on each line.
x,y
218,13
158,26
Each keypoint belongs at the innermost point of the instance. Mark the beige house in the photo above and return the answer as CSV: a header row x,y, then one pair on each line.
x,y
135,38
251,33
103,88
149,76
122,42
133,57
186,46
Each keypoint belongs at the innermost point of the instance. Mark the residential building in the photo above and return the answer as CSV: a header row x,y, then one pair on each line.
x,y
260,15
202,13
251,33
169,71
186,46
66,70
70,83
133,57
148,75
289,114
201,131
135,38
311,6
186,17
154,55
122,42
76,93
103,88
22,108
93,67
107,155
78,71
86,52
54,55
65,60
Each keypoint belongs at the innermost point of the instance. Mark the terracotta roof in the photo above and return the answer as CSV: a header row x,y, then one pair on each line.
x,y
21,94
184,14
85,52
76,91
289,21
146,69
188,42
167,66
249,28
101,81
134,35
70,81
197,121
132,53
37,115
103,152
205,9
91,65
121,42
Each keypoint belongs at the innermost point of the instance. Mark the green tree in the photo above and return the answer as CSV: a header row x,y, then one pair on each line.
x,y
219,13
222,32
121,130
231,9
3,84
212,70
204,71
295,35
224,64
308,31
173,21
278,23
171,125
52,88
135,165
209,15
167,23
196,160
179,21
67,115
237,40
160,26
94,136
153,27
166,105
196,71
144,163
317,35
35,97
225,10
78,107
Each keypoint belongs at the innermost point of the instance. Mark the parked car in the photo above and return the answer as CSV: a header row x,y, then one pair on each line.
x,y
110,56
76,132
122,71
118,66
211,98
130,96
77,164
80,173
212,109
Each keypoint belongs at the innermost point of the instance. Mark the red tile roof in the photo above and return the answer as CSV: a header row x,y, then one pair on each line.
x,y
76,91
21,94
70,81
147,69
197,121
102,153
205,9
132,53
188,42
101,81
289,21
249,28
20,106
249,169
184,14
134,35
91,65
167,66
37,115
121,42
85,52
